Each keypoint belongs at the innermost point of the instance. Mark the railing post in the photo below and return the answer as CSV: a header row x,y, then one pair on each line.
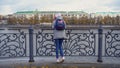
x,y
31,57
100,31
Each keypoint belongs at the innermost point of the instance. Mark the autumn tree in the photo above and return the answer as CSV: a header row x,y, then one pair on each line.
x,y
0,17
66,19
36,19
117,19
12,20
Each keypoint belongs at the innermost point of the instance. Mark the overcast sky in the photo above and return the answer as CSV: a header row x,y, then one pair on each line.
x,y
12,6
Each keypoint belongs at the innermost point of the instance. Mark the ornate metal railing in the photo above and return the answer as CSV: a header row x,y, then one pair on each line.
x,y
44,43
112,43
13,44
77,43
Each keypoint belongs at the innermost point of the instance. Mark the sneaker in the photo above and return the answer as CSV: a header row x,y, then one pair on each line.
x,y
62,59
58,61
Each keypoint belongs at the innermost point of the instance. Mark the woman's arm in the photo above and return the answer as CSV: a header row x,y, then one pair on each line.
x,y
53,24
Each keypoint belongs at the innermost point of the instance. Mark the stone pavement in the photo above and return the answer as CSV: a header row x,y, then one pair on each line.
x,y
70,62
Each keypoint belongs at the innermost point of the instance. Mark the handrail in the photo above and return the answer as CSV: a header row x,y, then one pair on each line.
x,y
40,26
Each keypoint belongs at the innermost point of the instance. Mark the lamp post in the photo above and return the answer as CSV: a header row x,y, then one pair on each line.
x,y
31,57
100,31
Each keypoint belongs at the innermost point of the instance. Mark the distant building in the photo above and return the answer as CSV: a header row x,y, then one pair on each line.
x,y
29,14
112,14
47,13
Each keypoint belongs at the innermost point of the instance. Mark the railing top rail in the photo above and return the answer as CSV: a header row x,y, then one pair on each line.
x,y
68,26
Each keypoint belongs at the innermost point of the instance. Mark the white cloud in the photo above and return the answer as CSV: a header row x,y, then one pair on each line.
x,y
58,5
5,10
85,5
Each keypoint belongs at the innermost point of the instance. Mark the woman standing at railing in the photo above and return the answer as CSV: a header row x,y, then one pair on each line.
x,y
59,26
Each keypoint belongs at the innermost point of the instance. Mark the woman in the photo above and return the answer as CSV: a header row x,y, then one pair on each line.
x,y
59,36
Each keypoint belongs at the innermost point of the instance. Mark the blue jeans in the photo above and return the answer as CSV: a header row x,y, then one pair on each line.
x,y
58,43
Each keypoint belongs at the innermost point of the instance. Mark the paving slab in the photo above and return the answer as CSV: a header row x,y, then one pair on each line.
x,y
70,62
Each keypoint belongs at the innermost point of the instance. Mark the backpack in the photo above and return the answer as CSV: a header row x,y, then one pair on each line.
x,y
59,24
